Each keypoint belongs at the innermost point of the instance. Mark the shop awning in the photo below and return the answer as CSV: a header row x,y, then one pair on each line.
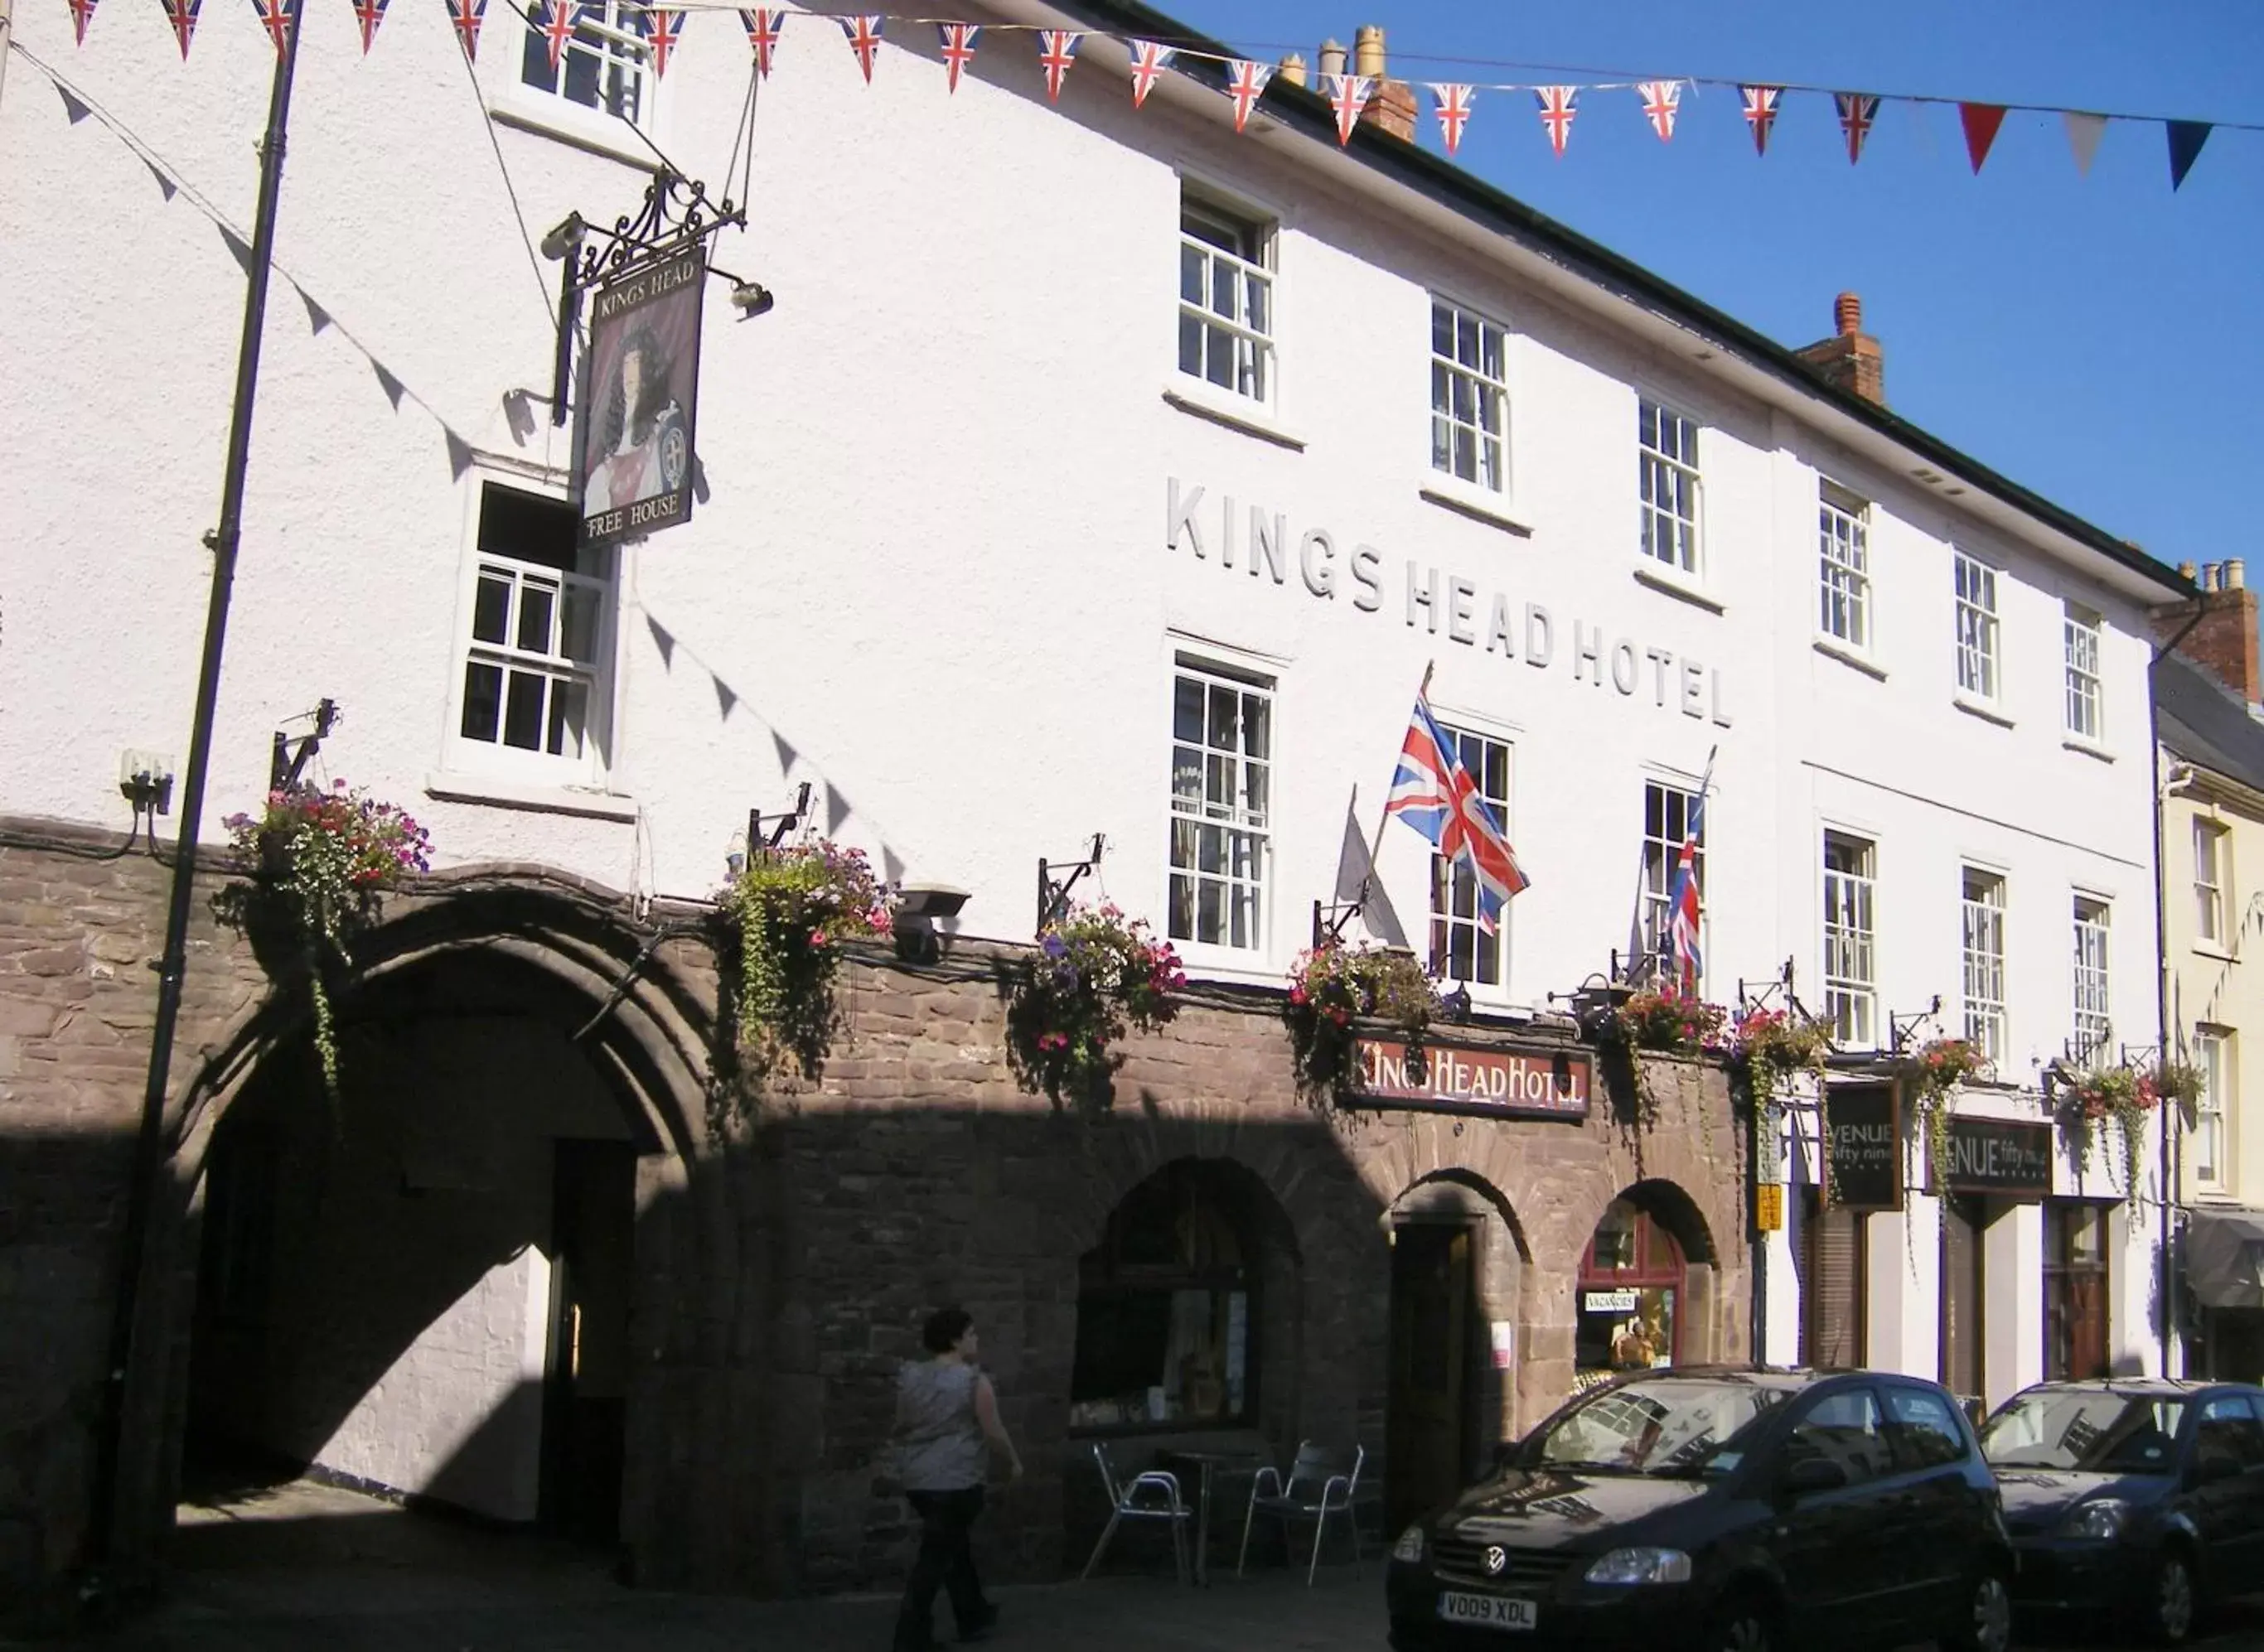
x,y
2224,1257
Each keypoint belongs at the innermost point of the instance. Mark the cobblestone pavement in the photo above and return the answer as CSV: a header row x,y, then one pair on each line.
x,y
308,1568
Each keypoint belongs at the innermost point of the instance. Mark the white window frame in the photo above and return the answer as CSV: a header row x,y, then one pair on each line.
x,y
1252,269
1980,673
1233,818
1667,535
1483,385
1982,949
1851,941
2083,636
1662,852
2213,1055
547,109
2211,897
2092,981
1453,908
468,755
1843,532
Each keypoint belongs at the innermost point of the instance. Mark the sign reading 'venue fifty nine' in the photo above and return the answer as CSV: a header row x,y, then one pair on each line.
x,y
1475,1079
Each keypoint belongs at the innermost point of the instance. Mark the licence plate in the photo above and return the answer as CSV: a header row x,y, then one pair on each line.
x,y
1492,1611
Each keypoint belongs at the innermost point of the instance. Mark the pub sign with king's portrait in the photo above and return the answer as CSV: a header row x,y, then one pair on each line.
x,y
641,386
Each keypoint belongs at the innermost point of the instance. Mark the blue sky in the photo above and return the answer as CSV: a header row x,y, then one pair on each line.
x,y
2098,339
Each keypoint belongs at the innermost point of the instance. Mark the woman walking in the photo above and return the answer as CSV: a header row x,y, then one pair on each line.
x,y
946,1412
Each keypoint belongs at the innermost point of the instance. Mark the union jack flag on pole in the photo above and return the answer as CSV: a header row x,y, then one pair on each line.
x,y
764,24
1453,112
1434,792
1682,909
1057,51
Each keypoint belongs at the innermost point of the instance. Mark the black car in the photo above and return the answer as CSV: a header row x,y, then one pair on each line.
x,y
2135,1495
1727,1510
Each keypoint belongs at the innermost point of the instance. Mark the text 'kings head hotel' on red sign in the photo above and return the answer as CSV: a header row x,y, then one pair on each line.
x,y
1468,1079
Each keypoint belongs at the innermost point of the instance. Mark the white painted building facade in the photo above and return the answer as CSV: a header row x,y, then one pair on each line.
x,y
973,530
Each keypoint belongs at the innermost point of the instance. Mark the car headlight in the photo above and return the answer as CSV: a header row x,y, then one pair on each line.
x,y
2102,1517
1410,1545
1642,1566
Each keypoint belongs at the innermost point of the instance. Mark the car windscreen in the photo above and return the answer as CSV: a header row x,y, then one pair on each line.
x,y
1676,1428
2087,1428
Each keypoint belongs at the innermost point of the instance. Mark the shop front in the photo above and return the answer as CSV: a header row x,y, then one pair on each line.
x,y
1995,1168
2224,1278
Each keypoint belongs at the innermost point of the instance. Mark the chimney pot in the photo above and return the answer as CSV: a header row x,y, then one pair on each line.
x,y
1848,314
2235,574
1293,68
1333,57
2209,571
2186,570
1368,51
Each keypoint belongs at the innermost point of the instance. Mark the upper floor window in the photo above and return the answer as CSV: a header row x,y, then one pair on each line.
x,y
1226,298
1222,800
1984,913
1469,397
1667,817
536,635
607,66
2093,1022
1843,532
1462,947
1666,465
1977,628
2085,718
2213,1054
1850,986
2209,881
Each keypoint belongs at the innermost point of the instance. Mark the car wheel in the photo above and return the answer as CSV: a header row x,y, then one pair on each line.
x,y
2172,1602
1986,1625
1740,1624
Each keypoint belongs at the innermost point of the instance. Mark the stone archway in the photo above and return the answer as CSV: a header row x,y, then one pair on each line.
x,y
1649,1290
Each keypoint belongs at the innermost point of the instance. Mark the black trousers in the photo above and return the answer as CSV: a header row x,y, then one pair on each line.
x,y
946,1562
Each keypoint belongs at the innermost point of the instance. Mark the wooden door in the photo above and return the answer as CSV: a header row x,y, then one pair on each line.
x,y
1427,1427
584,1411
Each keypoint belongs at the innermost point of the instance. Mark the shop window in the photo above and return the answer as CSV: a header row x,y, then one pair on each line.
x,y
1167,1309
1631,1284
1833,1268
2075,1293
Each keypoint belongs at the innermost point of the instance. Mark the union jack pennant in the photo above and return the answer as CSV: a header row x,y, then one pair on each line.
x,y
182,14
864,34
82,14
1760,113
1683,943
556,26
763,24
1454,109
1434,792
1246,85
1858,112
1660,99
1149,60
663,29
1557,108
1348,95
368,15
464,16
958,40
278,17
1057,51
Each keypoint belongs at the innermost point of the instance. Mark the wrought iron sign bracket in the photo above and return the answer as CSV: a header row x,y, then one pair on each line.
x,y
779,825
287,759
1053,894
1330,916
1900,1027
1770,986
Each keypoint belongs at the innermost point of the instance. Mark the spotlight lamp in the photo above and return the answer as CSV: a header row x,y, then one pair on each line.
x,y
563,238
751,299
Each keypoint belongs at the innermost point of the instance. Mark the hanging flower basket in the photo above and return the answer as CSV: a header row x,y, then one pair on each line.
x,y
1334,985
785,912
2125,1096
1665,1021
1095,973
328,855
1934,1073
1767,1046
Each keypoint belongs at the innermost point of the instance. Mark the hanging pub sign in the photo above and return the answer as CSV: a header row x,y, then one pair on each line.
x,y
1485,1081
641,392
1863,1147
1999,1157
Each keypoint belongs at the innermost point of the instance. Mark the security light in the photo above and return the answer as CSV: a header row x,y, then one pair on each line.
x,y
930,900
564,237
751,299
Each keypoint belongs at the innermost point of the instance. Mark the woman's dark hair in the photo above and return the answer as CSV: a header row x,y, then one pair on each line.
x,y
653,391
944,1329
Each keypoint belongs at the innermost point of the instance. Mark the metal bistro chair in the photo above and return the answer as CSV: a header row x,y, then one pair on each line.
x,y
1161,1493
1317,1488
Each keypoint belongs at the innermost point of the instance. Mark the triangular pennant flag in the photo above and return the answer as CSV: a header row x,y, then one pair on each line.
x,y
1149,60
1558,105
2083,134
276,16
74,111
82,14
368,14
2186,139
837,810
464,16
554,20
892,867
1245,84
1057,51
460,453
182,14
662,640
1980,122
238,248
1760,113
864,34
165,184
1348,95
662,28
958,42
1454,109
1858,112
698,480
787,756
393,388
1660,99
317,317
725,699
763,24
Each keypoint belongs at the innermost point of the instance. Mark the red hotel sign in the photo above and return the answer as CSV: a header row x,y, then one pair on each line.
x,y
1467,1079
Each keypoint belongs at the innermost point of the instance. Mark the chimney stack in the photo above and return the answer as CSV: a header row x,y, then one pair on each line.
x,y
1391,103
2223,642
1850,359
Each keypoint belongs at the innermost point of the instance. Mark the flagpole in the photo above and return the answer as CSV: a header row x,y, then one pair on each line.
x,y
172,961
1422,698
